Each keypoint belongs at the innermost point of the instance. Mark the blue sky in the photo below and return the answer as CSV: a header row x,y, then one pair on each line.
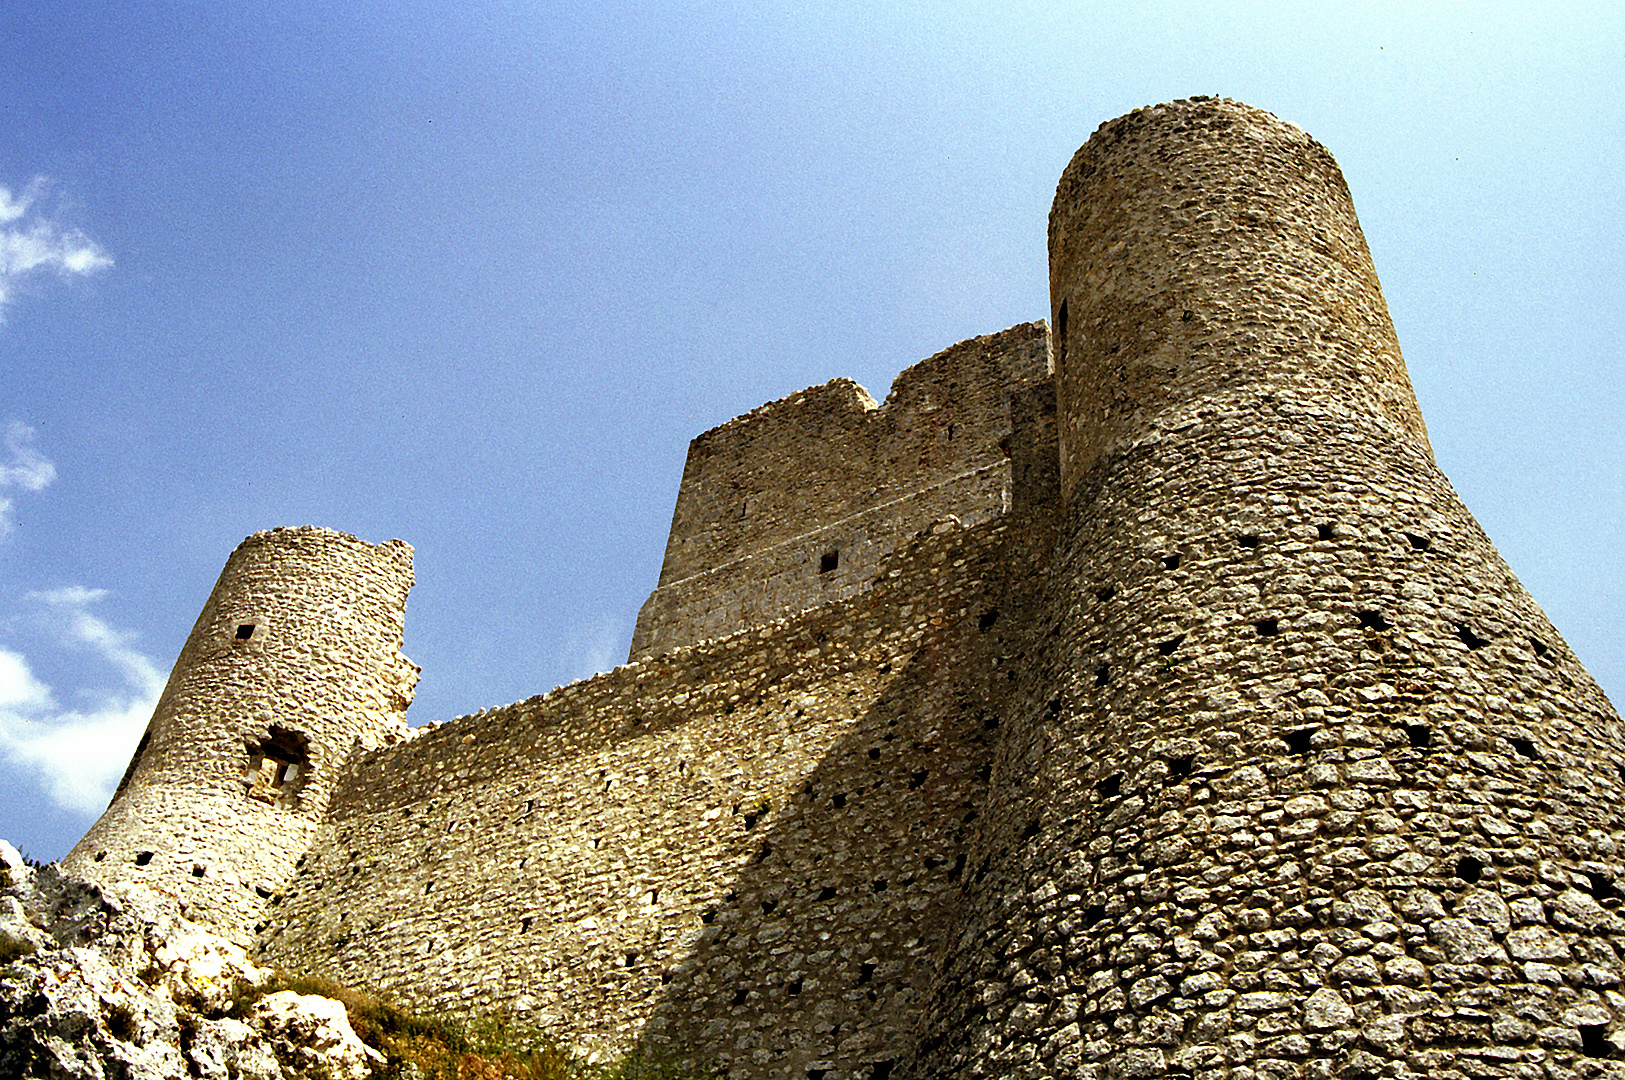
x,y
473,274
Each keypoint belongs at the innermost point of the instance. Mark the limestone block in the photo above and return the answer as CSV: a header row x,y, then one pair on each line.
x,y
311,1035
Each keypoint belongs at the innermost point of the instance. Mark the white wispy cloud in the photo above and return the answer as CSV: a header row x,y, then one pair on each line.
x,y
33,241
24,468
77,753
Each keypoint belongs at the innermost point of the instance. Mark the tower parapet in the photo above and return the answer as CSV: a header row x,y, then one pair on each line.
x,y
294,662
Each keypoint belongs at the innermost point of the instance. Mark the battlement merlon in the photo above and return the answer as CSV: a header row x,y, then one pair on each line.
x,y
790,505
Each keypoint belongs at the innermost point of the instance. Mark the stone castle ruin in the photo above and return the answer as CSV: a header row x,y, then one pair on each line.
x,y
1127,695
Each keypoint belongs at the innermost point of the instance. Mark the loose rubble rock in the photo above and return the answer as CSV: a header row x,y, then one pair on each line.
x,y
311,1035
94,987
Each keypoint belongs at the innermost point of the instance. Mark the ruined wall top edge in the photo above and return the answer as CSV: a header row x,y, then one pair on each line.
x,y
829,453
847,395
308,580
315,535
1205,254
697,663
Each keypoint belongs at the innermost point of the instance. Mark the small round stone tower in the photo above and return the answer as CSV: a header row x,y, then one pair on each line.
x,y
294,664
1300,781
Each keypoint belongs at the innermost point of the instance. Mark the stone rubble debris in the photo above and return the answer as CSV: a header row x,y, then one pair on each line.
x,y
96,987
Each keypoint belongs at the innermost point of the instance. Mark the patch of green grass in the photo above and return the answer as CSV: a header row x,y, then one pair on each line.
x,y
442,1048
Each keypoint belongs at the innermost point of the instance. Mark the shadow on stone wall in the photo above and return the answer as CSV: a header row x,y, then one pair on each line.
x,y
817,960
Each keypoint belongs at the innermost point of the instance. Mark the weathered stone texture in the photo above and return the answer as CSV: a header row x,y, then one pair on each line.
x,y
1232,267
1303,744
1169,717
94,987
298,646
796,503
746,849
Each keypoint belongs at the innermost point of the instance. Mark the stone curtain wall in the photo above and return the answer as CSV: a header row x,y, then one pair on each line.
x,y
796,503
1306,784
789,578
1224,745
301,635
749,849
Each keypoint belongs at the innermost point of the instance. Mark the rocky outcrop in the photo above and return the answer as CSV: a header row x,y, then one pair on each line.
x,y
95,986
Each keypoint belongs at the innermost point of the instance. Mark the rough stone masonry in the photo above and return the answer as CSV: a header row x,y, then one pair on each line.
x,y
1127,695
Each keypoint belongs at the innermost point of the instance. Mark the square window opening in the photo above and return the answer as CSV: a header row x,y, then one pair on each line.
x,y
276,767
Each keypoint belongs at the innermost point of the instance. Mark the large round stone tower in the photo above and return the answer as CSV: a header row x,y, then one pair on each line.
x,y
294,663
1301,781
